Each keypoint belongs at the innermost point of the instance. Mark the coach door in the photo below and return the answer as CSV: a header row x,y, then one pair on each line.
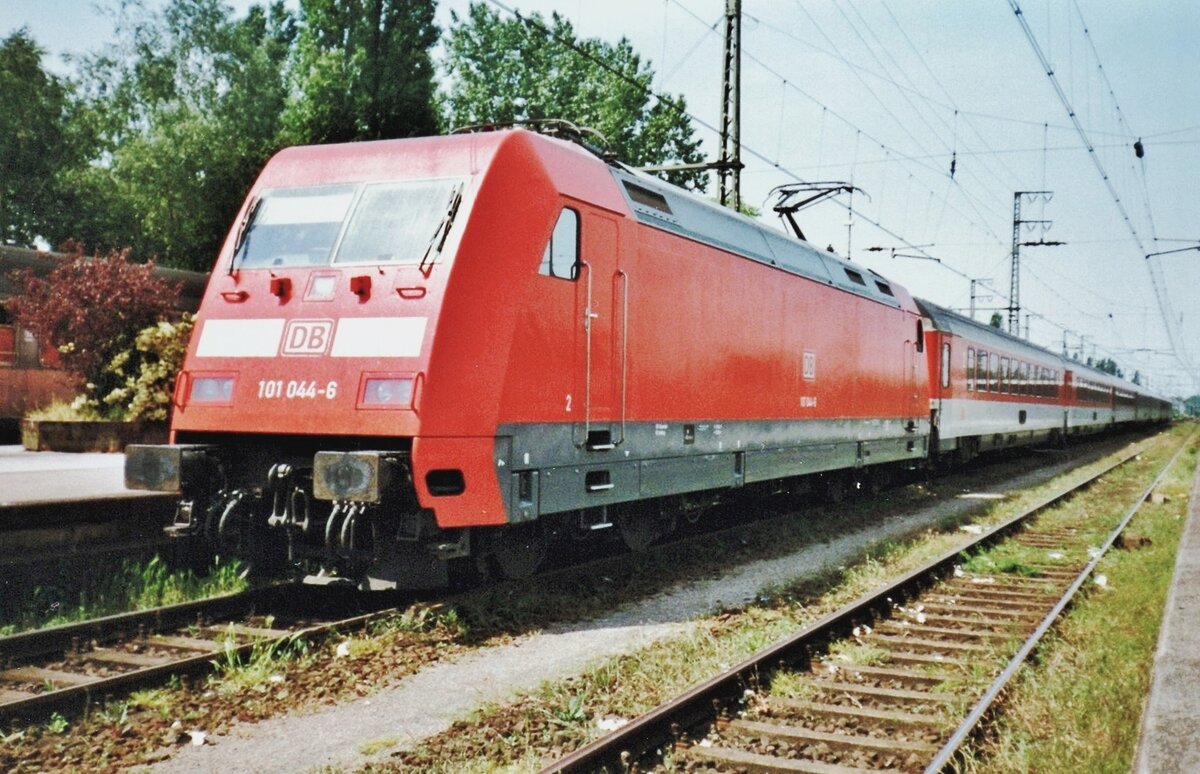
x,y
602,311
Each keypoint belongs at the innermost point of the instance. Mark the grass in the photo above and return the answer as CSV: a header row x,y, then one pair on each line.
x,y
373,746
236,673
130,586
1079,707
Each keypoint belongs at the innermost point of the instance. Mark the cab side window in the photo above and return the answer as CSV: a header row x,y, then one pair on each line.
x,y
561,258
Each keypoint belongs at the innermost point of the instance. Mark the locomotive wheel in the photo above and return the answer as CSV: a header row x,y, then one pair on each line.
x,y
639,530
877,480
517,552
835,487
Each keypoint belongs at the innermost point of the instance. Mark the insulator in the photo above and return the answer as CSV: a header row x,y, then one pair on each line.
x,y
1139,150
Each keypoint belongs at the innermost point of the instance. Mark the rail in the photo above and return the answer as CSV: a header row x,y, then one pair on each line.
x,y
63,668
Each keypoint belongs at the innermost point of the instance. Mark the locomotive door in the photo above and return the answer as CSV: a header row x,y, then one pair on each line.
x,y
913,352
601,304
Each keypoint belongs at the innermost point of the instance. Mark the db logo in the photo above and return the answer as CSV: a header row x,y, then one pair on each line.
x,y
307,337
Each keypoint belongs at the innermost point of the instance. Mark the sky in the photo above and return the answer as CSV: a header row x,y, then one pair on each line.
x,y
888,96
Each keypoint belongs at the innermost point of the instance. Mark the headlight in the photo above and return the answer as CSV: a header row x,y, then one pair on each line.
x,y
357,476
395,393
211,389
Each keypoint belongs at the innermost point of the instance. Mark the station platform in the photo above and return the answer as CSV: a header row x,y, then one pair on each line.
x,y
52,489
1170,738
55,506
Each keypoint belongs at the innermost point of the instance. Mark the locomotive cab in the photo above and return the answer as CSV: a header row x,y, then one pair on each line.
x,y
342,385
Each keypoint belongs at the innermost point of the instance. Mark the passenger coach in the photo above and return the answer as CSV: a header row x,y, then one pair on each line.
x,y
992,390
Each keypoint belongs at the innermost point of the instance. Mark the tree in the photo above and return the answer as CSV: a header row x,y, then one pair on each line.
x,y
997,321
1108,366
33,139
362,71
92,309
528,69
1192,406
184,111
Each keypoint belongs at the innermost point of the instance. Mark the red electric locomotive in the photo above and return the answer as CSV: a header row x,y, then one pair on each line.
x,y
417,351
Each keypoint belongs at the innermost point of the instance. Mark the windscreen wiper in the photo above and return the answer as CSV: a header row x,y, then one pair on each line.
x,y
438,240
243,232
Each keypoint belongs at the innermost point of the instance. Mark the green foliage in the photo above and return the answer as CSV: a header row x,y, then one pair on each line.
x,y
57,724
419,618
512,70
1109,366
997,320
154,141
182,112
33,139
1192,406
362,71
573,712
81,410
148,371
92,310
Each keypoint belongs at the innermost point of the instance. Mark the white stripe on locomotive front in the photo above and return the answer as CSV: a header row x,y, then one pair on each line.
x,y
354,337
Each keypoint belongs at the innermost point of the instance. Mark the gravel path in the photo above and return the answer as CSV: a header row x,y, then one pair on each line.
x,y
429,701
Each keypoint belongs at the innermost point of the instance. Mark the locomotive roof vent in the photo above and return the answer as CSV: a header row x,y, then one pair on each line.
x,y
585,136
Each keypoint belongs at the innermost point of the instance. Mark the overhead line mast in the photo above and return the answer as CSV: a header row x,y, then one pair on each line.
x,y
1014,283
729,170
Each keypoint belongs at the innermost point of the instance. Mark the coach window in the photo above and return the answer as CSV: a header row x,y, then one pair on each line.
x,y
982,372
945,364
561,258
970,368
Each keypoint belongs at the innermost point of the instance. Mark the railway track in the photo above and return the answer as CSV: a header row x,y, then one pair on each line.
x,y
898,680
64,668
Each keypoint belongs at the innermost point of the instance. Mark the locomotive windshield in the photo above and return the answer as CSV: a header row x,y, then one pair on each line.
x,y
376,223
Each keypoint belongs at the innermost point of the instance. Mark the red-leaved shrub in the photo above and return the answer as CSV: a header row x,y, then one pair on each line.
x,y
91,309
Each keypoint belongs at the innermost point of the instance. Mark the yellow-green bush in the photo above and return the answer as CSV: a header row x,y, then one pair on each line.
x,y
147,372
